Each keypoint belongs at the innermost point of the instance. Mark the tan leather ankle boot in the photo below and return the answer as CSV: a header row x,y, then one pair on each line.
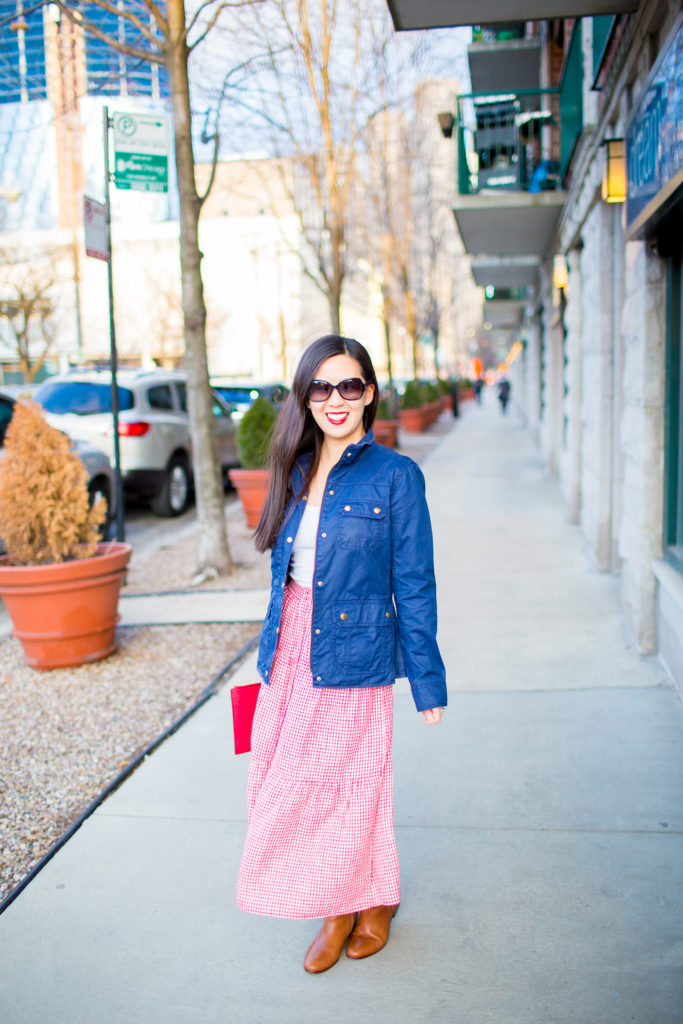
x,y
327,946
371,932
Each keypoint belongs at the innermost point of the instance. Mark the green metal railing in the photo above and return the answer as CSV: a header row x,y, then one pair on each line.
x,y
571,99
519,141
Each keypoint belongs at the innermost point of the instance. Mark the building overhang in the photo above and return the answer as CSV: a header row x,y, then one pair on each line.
x,y
503,314
508,223
419,14
505,66
505,271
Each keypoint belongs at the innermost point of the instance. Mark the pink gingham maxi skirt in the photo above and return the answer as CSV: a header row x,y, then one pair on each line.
x,y
320,840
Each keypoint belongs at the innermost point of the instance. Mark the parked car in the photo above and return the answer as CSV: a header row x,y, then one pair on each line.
x,y
96,462
240,395
154,429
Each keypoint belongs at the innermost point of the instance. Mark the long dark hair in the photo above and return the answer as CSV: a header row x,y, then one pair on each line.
x,y
297,432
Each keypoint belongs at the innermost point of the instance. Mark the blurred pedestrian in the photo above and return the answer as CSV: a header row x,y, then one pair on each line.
x,y
503,394
352,607
478,388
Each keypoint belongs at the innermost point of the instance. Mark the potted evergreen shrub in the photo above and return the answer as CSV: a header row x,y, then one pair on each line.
x,y
432,402
385,427
411,413
444,385
60,584
253,437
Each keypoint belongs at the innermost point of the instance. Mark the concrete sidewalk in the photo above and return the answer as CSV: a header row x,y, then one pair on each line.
x,y
540,827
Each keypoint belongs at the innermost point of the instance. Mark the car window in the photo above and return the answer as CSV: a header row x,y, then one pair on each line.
x,y
6,410
182,395
160,397
81,397
235,394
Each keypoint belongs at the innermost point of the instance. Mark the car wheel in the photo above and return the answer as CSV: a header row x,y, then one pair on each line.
x,y
174,496
99,489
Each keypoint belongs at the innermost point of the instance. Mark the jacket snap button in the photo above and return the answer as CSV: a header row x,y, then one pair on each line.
x,y
282,585
349,454
347,508
377,510
323,535
318,678
320,583
266,673
277,629
317,631
343,615
289,539
388,614
330,492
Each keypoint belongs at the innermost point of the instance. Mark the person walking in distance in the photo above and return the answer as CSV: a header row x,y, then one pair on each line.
x,y
352,607
503,394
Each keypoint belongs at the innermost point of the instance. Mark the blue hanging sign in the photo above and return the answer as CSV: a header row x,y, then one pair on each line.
x,y
654,137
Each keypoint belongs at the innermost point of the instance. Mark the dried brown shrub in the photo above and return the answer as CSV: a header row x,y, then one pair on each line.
x,y
45,513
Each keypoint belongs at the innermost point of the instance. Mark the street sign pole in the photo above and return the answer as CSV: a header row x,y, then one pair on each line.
x,y
120,521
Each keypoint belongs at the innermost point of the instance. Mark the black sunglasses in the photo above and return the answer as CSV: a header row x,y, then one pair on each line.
x,y
351,389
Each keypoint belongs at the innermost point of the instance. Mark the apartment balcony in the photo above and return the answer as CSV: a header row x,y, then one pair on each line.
x,y
504,58
514,151
419,14
504,271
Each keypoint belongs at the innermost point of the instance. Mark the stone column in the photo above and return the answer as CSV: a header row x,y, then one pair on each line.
x,y
570,459
643,331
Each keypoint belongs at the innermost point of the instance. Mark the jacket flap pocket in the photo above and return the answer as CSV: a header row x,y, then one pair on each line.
x,y
366,613
366,509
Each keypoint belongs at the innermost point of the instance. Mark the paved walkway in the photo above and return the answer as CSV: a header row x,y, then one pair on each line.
x,y
540,827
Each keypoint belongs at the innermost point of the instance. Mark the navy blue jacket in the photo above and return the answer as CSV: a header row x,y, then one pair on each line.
x,y
374,594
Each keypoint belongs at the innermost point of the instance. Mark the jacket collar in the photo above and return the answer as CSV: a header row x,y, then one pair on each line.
x,y
351,453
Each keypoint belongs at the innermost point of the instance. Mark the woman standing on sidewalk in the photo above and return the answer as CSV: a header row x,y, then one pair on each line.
x,y
352,607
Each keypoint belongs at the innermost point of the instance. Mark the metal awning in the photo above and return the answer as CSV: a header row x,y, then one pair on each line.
x,y
505,65
508,223
414,14
505,271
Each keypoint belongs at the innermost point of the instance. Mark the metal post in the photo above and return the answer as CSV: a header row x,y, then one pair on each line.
x,y
120,521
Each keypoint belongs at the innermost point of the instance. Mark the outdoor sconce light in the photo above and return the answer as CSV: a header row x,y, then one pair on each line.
x,y
560,273
446,122
614,174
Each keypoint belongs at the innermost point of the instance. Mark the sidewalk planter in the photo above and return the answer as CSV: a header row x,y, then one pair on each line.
x,y
65,613
252,487
253,439
386,432
413,421
447,403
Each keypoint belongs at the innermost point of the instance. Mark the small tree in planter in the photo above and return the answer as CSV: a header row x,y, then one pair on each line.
x,y
411,412
54,555
385,427
253,438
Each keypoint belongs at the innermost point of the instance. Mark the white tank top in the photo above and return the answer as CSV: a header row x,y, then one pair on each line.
x,y
303,550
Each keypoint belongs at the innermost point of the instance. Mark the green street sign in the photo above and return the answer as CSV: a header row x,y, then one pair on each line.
x,y
141,152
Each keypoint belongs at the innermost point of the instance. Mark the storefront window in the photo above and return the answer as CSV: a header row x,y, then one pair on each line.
x,y
673,505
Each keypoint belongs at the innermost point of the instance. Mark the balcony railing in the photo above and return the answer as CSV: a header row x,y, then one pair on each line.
x,y
516,142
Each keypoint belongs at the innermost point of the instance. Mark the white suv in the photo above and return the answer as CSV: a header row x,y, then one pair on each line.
x,y
154,428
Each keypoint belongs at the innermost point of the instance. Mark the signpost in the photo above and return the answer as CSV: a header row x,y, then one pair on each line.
x,y
141,152
96,225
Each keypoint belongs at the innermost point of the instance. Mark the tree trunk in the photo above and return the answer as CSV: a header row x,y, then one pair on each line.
x,y
213,550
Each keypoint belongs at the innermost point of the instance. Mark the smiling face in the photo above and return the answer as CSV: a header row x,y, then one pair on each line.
x,y
341,419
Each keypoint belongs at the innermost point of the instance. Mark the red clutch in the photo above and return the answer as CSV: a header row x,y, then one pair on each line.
x,y
243,707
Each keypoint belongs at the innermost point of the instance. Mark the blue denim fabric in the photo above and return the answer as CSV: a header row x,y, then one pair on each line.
x,y
374,594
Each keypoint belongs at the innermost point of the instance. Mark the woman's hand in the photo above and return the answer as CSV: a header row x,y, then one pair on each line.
x,y
433,716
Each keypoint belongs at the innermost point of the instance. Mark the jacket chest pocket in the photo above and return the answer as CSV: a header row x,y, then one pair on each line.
x,y
364,637
363,524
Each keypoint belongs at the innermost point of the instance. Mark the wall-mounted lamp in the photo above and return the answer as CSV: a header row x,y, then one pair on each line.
x,y
560,272
446,122
614,174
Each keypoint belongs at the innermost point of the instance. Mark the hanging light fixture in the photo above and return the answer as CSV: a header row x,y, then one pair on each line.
x,y
614,174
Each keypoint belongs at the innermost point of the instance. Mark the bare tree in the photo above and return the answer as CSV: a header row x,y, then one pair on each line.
x,y
27,307
162,33
312,94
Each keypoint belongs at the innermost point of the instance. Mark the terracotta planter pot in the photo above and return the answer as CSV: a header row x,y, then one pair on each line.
x,y
412,420
466,394
65,613
252,488
433,411
447,403
386,432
